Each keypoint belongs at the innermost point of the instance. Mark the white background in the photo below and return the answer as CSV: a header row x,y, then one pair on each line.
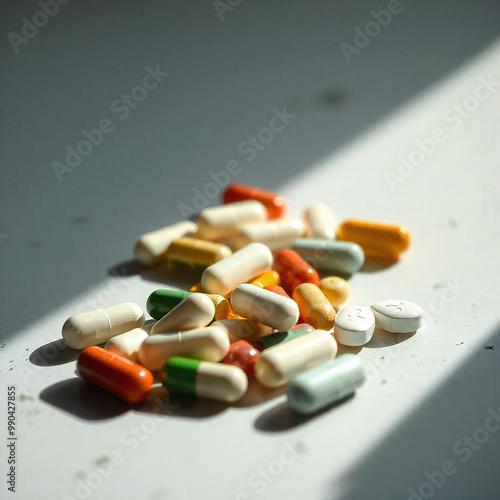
x,y
62,242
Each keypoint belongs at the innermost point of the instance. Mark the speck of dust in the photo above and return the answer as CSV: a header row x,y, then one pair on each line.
x,y
102,460
489,347
452,223
300,447
26,397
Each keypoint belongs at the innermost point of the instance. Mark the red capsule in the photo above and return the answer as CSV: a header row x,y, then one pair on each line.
x,y
129,381
294,270
275,204
277,289
243,355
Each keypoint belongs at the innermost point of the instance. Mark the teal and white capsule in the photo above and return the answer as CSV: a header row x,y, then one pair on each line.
x,y
331,256
226,383
323,385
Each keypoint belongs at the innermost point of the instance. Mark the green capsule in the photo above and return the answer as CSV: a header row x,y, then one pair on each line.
x,y
278,337
226,383
162,301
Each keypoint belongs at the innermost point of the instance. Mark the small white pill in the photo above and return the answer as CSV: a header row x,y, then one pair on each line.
x,y
245,264
264,306
276,234
320,222
278,364
225,221
127,344
151,247
209,344
243,329
354,326
195,311
97,327
397,316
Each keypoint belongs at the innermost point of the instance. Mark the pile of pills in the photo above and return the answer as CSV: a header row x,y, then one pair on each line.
x,y
260,309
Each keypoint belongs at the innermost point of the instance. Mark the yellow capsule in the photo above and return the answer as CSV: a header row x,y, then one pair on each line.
x,y
377,239
196,288
222,307
336,290
267,278
196,254
314,307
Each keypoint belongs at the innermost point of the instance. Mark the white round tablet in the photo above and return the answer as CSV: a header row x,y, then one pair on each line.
x,y
397,316
354,326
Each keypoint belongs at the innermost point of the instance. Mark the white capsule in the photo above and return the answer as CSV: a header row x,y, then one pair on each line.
x,y
278,364
354,326
151,247
195,311
320,222
243,329
276,234
264,306
221,382
209,344
127,344
397,316
245,264
225,221
97,327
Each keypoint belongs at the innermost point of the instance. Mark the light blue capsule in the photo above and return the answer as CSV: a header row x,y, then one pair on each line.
x,y
331,256
314,389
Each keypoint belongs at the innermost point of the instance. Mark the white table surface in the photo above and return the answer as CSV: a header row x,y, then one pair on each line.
x,y
61,243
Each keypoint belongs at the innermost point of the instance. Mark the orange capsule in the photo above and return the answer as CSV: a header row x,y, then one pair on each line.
x,y
243,355
294,270
277,289
376,239
129,381
275,204
196,288
267,278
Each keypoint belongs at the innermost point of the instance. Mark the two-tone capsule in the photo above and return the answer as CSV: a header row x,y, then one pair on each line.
x,y
115,374
323,385
293,269
150,249
195,311
265,307
279,337
331,256
244,265
210,344
203,379
195,254
224,221
275,204
376,239
97,327
314,307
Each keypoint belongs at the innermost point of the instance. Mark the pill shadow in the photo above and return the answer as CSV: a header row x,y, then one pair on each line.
x,y
381,338
257,394
281,418
83,400
346,349
375,264
160,402
52,354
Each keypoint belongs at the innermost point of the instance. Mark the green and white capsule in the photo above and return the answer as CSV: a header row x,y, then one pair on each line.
x,y
204,379
323,385
162,301
331,256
